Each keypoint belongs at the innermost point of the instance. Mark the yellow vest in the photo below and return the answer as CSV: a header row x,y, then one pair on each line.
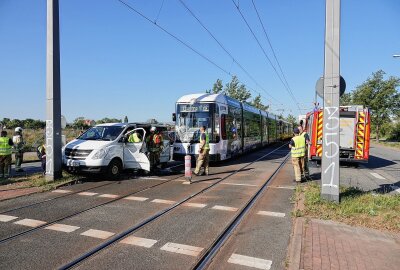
x,y
299,150
134,138
5,148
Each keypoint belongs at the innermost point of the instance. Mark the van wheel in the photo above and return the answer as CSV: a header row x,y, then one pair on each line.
x,y
114,169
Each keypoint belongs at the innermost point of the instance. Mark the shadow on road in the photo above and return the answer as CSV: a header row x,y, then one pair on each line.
x,y
377,162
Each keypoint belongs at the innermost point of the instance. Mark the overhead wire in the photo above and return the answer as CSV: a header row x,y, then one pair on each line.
x,y
226,51
182,42
175,37
265,54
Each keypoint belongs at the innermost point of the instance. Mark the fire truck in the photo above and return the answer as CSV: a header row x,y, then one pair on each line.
x,y
354,139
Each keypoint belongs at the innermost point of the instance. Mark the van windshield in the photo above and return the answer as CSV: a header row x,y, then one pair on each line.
x,y
102,133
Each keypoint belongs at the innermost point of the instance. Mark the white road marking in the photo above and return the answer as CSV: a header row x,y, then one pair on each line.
x,y
225,208
62,228
273,214
112,196
6,218
138,241
97,234
180,180
250,261
234,184
133,198
61,191
186,183
182,249
163,201
283,187
377,175
30,222
87,193
153,178
198,205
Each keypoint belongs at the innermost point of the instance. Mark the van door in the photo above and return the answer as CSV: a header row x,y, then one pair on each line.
x,y
134,153
165,154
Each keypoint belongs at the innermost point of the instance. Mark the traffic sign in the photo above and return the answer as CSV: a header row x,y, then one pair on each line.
x,y
319,86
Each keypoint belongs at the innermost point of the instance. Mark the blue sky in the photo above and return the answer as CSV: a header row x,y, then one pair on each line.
x,y
115,63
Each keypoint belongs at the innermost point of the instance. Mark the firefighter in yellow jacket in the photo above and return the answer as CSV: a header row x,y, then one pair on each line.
x,y
204,151
298,150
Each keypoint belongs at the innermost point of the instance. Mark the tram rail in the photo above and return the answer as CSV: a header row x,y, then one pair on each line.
x,y
113,240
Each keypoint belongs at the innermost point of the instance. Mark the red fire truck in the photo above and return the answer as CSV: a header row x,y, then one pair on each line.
x,y
354,133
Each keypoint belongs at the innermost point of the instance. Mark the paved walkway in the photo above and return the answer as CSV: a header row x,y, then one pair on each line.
x,y
332,245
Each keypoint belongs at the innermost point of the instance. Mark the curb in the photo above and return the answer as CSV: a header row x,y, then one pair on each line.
x,y
295,244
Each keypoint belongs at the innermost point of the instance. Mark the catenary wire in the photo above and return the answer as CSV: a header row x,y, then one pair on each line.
x,y
175,37
226,51
265,54
272,48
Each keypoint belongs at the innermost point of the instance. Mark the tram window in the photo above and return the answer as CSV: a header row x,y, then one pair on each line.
x,y
233,123
223,127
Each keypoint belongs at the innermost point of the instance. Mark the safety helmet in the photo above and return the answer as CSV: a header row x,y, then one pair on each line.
x,y
153,129
18,129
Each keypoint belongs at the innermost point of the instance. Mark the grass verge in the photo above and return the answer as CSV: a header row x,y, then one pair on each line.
x,y
357,208
36,180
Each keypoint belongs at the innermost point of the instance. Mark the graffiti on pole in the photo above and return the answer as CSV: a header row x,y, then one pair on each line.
x,y
330,140
49,147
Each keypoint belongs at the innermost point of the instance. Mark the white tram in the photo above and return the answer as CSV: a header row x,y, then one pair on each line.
x,y
234,127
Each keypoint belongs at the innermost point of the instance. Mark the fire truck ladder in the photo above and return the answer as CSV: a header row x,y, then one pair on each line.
x,y
360,134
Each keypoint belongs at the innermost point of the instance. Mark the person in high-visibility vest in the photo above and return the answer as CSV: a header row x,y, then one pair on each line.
x,y
154,145
19,143
5,155
204,150
134,137
306,137
298,150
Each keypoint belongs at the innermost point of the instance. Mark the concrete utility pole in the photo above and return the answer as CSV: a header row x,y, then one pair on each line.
x,y
330,152
53,96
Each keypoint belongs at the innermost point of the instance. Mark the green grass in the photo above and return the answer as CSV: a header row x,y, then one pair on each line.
x,y
378,211
37,180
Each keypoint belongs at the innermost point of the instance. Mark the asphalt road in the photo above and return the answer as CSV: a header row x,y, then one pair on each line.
x,y
381,174
194,225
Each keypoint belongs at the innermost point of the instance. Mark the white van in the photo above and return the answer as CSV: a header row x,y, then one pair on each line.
x,y
105,148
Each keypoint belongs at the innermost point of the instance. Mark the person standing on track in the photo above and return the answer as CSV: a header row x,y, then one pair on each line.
x,y
297,145
306,137
5,155
204,151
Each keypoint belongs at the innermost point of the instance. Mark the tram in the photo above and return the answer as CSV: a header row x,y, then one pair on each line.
x,y
234,127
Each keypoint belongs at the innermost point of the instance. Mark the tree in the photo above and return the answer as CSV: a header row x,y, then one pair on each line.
x,y
345,99
80,123
217,88
236,90
381,97
126,119
291,119
256,102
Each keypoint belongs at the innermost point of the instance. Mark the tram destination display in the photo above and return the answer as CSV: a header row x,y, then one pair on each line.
x,y
194,108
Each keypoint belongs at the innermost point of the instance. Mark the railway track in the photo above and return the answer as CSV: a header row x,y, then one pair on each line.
x,y
8,238
210,252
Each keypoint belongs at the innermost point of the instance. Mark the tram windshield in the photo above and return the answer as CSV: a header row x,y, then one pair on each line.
x,y
189,120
